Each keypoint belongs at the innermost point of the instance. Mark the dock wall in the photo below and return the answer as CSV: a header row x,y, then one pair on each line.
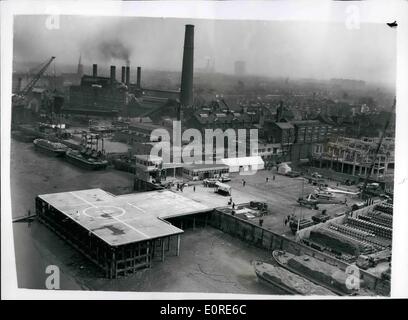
x,y
268,240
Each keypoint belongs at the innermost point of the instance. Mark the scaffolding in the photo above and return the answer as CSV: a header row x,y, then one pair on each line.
x,y
355,156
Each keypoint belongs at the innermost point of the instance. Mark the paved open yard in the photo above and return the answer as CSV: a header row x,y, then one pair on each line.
x,y
280,194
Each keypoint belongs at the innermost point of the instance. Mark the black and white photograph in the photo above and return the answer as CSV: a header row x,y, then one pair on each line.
x,y
195,155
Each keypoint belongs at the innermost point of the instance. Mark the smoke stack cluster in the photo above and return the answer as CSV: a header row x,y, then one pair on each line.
x,y
186,94
139,77
94,70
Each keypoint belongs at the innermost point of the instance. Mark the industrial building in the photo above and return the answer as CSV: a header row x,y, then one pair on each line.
x,y
355,156
203,171
120,234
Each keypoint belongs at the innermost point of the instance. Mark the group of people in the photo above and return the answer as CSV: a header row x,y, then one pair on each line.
x,y
180,187
267,178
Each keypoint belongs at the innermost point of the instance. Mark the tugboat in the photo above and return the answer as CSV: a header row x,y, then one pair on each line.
x,y
288,282
56,149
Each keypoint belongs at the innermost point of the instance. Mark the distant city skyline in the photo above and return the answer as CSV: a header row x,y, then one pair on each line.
x,y
295,50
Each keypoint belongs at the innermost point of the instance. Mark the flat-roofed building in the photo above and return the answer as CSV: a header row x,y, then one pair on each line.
x,y
120,234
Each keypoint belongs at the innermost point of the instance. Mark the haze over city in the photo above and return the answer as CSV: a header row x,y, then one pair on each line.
x,y
275,49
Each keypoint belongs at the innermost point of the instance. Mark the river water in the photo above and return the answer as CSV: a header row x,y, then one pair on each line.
x,y
210,260
33,173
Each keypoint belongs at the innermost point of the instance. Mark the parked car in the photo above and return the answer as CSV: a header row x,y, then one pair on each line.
x,y
224,179
317,175
293,174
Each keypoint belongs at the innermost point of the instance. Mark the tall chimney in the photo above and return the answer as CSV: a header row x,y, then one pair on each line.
x,y
127,75
123,74
94,70
186,94
112,74
139,77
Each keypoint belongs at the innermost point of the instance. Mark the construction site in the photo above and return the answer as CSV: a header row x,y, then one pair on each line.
x,y
307,190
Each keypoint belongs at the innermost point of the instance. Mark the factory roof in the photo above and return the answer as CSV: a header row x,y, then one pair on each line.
x,y
205,166
124,219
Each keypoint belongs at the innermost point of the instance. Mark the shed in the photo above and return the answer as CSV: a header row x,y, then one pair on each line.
x,y
244,164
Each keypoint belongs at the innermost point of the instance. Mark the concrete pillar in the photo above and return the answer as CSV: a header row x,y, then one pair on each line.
x,y
178,245
147,254
162,247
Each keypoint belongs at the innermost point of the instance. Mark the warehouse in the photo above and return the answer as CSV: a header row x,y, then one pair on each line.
x,y
120,234
203,171
244,164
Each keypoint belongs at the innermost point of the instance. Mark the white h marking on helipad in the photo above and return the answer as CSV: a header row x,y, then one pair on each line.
x,y
118,220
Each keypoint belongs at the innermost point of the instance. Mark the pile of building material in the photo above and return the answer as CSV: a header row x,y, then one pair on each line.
x,y
380,218
289,281
384,207
339,241
379,230
320,272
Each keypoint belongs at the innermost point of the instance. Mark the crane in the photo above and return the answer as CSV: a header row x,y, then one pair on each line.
x,y
29,87
386,124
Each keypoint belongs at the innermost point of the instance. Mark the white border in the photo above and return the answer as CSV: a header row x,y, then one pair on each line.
x,y
316,10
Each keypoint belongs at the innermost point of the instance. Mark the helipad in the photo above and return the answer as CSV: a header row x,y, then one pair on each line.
x,y
121,234
119,220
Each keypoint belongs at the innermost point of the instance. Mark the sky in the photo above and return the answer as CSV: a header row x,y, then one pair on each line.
x,y
317,50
